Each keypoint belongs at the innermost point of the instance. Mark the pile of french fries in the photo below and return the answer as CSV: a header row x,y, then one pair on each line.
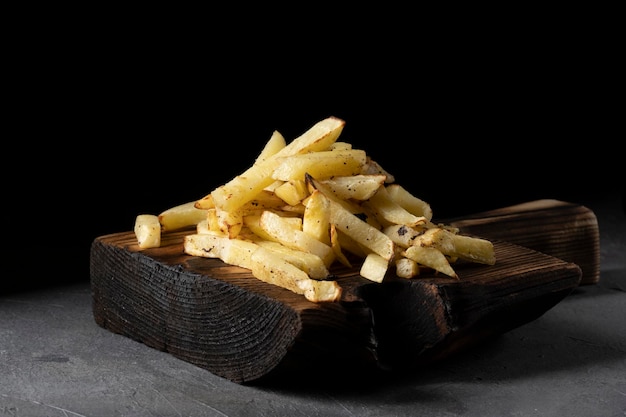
x,y
305,205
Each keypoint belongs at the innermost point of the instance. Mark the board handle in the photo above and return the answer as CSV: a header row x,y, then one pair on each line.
x,y
557,228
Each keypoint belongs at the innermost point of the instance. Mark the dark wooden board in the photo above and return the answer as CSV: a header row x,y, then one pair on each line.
x,y
565,230
221,318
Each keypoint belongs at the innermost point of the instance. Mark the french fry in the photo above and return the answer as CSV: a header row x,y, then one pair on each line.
x,y
229,222
406,268
278,229
402,235
205,202
306,261
360,231
350,206
264,200
292,191
271,268
469,248
232,251
253,223
431,258
374,267
389,212
323,164
316,217
355,187
148,231
340,146
181,216
336,245
275,143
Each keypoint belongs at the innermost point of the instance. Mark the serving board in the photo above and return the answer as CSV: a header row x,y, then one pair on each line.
x,y
219,317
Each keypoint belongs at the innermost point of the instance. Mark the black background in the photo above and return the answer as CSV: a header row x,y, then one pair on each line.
x,y
112,122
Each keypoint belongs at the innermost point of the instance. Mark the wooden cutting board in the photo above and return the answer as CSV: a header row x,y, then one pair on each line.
x,y
219,317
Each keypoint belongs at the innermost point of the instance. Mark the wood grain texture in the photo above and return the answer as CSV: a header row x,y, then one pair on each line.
x,y
221,318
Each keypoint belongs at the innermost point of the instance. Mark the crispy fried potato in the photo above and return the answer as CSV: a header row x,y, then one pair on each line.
x,y
231,251
323,164
278,229
406,268
205,202
388,212
271,268
403,235
306,261
431,258
458,246
181,216
275,143
336,245
374,267
292,192
148,231
360,231
316,217
355,187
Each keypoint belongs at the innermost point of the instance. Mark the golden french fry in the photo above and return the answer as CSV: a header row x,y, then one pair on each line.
x,y
205,202
271,268
236,252
275,143
292,192
306,261
316,217
458,246
212,221
374,267
362,232
336,245
406,268
352,207
279,230
431,258
323,164
181,216
340,146
473,249
264,200
229,222
389,212
354,187
403,235
148,231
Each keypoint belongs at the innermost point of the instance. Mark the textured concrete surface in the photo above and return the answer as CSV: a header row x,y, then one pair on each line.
x,y
571,361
